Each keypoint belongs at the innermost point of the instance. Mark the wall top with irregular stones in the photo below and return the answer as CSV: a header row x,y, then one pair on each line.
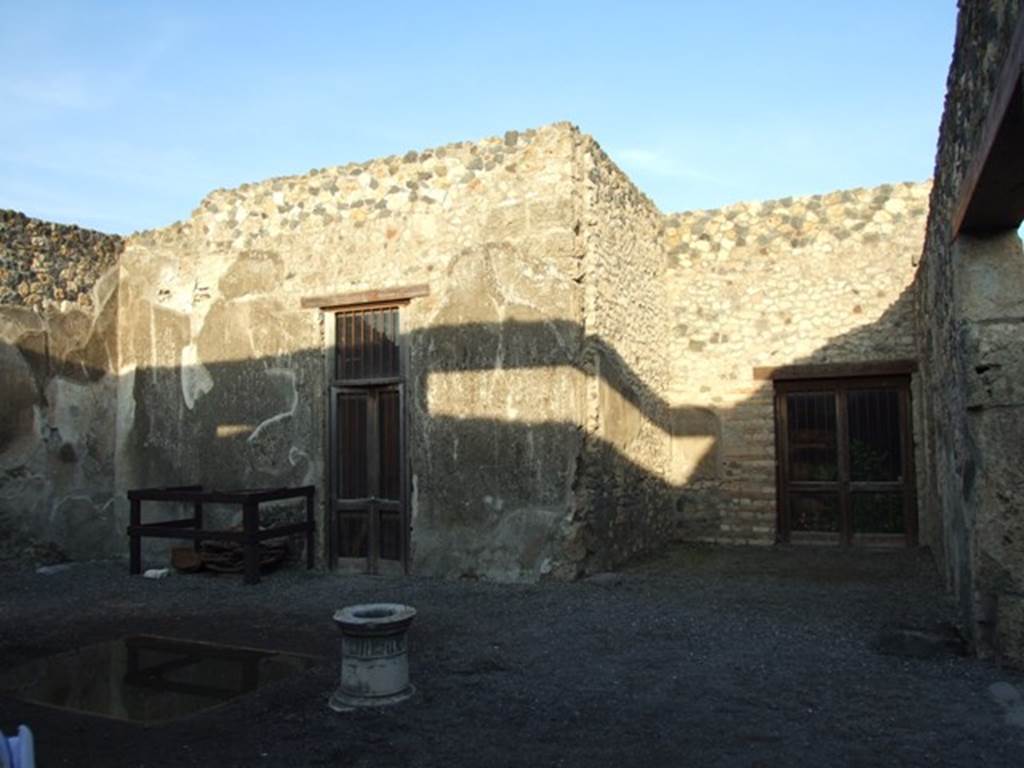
x,y
866,215
43,263
359,193
812,279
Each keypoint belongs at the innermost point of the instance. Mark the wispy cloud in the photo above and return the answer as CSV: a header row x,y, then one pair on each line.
x,y
663,163
57,204
642,159
61,90
121,163
37,84
65,152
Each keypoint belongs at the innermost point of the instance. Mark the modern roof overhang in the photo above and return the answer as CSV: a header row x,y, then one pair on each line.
x,y
992,191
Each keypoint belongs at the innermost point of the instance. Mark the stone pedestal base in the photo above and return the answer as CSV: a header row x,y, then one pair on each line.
x,y
374,656
342,702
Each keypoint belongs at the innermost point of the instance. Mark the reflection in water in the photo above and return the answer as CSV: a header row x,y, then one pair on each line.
x,y
148,679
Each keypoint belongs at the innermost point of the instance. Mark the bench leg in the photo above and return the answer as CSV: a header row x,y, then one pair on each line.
x,y
251,547
198,518
134,539
310,526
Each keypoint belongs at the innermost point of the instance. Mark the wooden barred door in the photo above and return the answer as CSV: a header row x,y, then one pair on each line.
x,y
368,507
846,465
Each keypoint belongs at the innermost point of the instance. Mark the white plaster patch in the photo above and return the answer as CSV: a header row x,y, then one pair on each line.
x,y
125,399
414,499
71,408
290,375
297,455
195,379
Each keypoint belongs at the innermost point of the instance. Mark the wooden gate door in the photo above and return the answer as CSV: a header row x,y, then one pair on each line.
x,y
846,473
368,499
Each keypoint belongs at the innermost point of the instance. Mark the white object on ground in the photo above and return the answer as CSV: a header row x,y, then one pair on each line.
x,y
18,751
49,570
157,573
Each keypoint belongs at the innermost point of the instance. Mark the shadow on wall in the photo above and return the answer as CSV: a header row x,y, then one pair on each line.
x,y
492,494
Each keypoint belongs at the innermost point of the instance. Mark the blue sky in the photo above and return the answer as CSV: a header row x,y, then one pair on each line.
x,y
123,116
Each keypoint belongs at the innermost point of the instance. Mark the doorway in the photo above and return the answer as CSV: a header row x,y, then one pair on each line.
x,y
845,461
368,528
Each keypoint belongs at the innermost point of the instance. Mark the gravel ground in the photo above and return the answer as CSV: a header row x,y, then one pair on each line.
x,y
707,656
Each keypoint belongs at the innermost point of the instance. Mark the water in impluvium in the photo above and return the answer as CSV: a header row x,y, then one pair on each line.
x,y
148,679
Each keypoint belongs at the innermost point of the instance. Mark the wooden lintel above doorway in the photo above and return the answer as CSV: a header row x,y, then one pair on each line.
x,y
835,370
397,295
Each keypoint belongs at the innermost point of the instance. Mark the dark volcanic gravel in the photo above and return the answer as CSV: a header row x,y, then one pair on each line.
x,y
707,656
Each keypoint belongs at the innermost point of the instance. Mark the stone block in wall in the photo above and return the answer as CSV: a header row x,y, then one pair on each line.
x,y
1009,630
253,272
619,406
695,437
996,497
749,436
989,277
698,514
87,529
994,352
21,395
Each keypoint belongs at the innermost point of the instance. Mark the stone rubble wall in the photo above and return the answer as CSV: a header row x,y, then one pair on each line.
x,y
971,342
623,504
43,263
58,386
822,279
222,377
580,383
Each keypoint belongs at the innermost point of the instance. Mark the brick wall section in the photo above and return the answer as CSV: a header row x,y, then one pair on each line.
x,y
46,263
819,279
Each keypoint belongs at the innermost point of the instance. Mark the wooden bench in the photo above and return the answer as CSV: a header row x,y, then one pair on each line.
x,y
192,527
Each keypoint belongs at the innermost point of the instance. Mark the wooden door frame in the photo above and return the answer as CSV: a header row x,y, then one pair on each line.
x,y
843,486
